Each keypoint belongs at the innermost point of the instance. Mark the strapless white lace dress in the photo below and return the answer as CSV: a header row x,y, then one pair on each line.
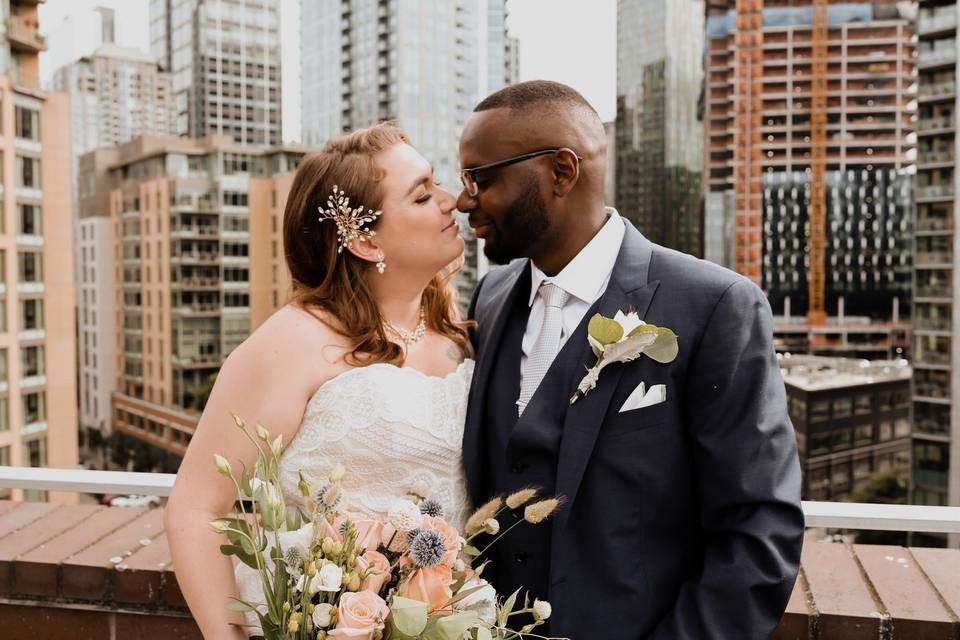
x,y
395,430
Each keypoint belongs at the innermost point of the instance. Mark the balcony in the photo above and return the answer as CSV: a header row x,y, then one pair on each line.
x,y
934,258
936,57
934,124
940,23
23,36
936,92
942,292
104,572
934,192
935,157
933,324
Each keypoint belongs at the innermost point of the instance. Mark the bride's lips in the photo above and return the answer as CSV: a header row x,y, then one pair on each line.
x,y
452,225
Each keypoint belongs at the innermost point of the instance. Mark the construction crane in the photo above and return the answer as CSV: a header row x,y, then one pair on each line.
x,y
816,242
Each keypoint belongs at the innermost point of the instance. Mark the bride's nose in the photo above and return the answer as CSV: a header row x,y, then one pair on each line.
x,y
448,201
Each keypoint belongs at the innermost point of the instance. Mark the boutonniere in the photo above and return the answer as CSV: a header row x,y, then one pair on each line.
x,y
624,338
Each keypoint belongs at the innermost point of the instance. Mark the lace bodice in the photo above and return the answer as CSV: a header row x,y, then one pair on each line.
x,y
394,429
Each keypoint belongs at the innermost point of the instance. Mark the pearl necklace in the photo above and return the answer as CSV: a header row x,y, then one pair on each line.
x,y
411,337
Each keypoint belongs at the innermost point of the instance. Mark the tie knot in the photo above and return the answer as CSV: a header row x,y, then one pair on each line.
x,y
553,296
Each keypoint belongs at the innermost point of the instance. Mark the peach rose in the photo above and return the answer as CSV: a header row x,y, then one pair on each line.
x,y
368,533
430,585
450,536
360,615
379,570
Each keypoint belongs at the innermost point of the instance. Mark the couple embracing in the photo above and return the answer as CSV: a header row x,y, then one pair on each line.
x,y
680,478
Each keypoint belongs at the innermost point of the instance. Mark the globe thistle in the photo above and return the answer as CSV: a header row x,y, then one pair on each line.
x,y
431,507
291,555
427,548
328,497
413,533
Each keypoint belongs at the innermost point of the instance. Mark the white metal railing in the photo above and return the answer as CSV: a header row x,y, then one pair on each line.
x,y
832,515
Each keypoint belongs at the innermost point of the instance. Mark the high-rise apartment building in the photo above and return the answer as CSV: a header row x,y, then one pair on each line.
x,y
659,141
225,59
759,98
116,94
179,211
936,318
38,416
423,65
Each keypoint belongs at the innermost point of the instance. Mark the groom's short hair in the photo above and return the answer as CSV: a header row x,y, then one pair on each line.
x,y
534,95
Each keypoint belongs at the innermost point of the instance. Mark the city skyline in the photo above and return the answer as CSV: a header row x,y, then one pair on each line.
x,y
589,69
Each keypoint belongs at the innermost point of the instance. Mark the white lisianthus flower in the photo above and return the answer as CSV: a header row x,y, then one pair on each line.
x,y
404,515
255,483
322,615
483,600
328,578
629,321
542,609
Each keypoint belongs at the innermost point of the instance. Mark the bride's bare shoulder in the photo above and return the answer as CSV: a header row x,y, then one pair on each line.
x,y
296,339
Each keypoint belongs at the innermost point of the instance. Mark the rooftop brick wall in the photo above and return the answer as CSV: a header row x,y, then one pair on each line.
x,y
91,572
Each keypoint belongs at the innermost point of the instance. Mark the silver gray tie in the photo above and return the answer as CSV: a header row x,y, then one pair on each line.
x,y
547,344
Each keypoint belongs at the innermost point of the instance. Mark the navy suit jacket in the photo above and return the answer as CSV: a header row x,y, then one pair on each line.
x,y
682,520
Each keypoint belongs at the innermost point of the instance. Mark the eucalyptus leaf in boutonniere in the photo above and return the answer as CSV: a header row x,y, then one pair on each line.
x,y
624,338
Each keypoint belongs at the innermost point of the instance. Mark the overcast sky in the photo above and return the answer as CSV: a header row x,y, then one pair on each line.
x,y
569,41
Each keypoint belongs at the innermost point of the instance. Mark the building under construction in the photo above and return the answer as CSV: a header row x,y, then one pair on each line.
x,y
809,108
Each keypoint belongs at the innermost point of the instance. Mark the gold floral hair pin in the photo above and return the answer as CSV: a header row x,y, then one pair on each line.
x,y
350,221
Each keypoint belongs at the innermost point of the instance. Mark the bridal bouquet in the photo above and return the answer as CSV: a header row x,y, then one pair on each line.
x,y
409,575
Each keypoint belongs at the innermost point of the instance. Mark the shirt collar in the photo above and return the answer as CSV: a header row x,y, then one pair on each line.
x,y
585,275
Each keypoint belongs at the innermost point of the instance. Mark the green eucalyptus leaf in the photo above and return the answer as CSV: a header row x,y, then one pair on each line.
x,y
452,627
643,328
470,550
665,348
604,330
409,616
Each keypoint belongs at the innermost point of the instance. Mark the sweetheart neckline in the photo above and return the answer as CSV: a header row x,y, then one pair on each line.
x,y
392,366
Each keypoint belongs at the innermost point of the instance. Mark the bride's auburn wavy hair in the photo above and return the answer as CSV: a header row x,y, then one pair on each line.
x,y
336,283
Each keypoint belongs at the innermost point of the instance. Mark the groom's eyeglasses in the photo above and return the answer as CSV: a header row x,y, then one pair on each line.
x,y
469,178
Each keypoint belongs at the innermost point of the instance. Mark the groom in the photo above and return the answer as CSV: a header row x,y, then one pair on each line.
x,y
682,514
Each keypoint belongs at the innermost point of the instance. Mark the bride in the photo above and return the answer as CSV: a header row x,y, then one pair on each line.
x,y
366,366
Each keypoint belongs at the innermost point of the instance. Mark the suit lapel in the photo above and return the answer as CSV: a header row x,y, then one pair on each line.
x,y
629,287
502,301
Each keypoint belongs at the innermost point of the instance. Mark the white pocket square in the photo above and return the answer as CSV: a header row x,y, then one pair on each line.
x,y
643,397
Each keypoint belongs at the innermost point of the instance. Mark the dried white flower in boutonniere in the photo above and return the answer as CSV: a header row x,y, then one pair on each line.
x,y
624,338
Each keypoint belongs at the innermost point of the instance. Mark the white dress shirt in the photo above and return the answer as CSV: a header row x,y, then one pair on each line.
x,y
585,278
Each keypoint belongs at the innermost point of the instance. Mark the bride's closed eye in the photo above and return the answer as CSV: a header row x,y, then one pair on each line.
x,y
426,196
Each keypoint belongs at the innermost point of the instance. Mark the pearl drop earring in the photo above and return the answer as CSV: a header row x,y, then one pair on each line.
x,y
381,265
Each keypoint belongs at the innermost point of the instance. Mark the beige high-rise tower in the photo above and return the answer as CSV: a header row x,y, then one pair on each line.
x,y
38,414
181,223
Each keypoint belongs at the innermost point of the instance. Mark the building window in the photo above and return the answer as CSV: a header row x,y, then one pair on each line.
x,y
34,407
31,314
37,452
4,414
5,456
28,172
31,266
842,407
28,123
30,220
864,405
32,360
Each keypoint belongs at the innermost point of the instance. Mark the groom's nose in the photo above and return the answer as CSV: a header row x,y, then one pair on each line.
x,y
466,202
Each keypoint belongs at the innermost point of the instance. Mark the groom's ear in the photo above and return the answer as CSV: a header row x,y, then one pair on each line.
x,y
368,250
565,172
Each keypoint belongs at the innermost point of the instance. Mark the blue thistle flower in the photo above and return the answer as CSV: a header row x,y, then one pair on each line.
x,y
431,507
427,548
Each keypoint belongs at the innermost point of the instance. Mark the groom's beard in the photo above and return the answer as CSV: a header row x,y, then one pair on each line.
x,y
524,223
